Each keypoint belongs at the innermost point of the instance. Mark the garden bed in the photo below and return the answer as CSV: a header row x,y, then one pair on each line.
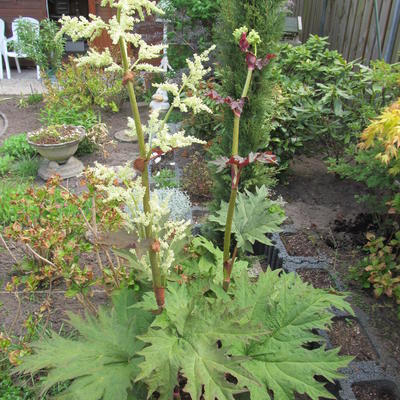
x,y
319,278
303,248
349,335
373,391
299,244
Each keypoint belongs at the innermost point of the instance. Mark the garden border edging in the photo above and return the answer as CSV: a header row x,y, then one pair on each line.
x,y
358,372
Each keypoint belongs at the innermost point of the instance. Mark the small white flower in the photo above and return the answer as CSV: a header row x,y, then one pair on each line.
x,y
93,57
149,52
148,68
166,142
168,87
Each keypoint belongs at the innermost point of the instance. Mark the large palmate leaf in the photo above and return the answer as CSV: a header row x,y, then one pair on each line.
x,y
262,332
289,309
102,363
208,260
255,216
183,341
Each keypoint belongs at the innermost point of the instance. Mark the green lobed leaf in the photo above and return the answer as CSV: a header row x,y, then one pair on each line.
x,y
102,363
289,309
255,216
188,346
208,262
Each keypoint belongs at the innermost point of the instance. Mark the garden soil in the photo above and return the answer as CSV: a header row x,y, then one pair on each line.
x,y
315,199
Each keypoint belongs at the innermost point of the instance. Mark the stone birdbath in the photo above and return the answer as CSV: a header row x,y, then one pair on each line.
x,y
57,144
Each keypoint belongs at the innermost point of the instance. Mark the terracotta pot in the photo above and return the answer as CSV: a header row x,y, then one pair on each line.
x,y
59,152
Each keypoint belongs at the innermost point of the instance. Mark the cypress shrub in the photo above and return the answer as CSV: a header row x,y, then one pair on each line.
x,y
266,17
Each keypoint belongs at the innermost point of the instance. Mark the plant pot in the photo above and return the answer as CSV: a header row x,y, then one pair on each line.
x,y
59,152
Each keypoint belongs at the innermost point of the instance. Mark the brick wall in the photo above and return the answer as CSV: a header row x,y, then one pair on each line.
x,y
150,29
11,9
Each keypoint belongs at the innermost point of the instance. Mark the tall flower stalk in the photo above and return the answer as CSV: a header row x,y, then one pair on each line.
x,y
246,40
228,261
120,29
155,268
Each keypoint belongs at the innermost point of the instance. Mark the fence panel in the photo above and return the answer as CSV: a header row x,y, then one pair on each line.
x,y
351,26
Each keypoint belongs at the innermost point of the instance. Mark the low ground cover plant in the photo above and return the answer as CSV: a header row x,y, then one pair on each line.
x,y
18,158
17,146
30,100
196,324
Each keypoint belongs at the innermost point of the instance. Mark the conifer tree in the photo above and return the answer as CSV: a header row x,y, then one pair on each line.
x,y
267,16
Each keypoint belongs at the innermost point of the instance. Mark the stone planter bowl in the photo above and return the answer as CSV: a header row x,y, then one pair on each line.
x,y
59,152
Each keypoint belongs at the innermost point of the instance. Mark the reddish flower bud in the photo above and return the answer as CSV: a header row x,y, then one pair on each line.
x,y
243,43
251,60
262,62
156,246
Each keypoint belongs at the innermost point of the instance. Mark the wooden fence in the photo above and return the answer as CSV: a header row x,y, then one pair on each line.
x,y
351,26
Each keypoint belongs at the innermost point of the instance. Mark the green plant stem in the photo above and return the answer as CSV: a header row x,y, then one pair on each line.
x,y
227,262
155,268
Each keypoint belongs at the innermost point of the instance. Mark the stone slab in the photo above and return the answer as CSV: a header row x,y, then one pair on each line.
x,y
122,136
24,83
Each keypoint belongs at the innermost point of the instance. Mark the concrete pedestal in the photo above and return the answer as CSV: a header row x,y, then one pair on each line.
x,y
73,167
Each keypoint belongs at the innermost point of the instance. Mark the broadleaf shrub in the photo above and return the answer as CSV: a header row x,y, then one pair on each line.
x,y
49,226
325,99
86,87
377,166
380,268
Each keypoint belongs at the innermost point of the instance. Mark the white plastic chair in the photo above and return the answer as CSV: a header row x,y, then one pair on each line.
x,y
14,37
2,44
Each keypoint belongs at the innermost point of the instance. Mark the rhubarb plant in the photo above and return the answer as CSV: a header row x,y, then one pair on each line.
x,y
190,336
